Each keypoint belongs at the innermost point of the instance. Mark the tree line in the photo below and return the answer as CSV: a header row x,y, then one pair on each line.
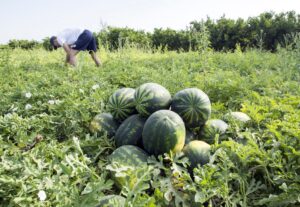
x,y
266,31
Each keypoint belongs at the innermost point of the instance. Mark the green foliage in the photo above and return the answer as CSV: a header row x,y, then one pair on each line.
x,y
45,106
53,167
116,38
23,44
265,31
46,44
169,39
199,37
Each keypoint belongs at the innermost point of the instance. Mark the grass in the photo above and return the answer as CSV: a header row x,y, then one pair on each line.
x,y
70,164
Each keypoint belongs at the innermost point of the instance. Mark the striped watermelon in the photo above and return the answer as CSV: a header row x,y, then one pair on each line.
x,y
112,201
211,129
197,152
130,156
130,131
164,131
104,123
193,105
121,103
151,97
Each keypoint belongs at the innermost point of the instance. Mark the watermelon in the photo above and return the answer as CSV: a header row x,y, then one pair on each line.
x,y
164,131
212,128
197,152
237,116
151,97
104,123
193,105
112,201
130,156
189,137
130,131
121,103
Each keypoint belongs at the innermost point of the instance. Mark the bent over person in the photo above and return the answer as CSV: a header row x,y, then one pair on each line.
x,y
75,40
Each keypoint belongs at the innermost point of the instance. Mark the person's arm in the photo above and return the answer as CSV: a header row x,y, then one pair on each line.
x,y
70,57
95,58
67,59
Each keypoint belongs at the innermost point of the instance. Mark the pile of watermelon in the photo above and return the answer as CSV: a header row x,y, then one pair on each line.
x,y
149,121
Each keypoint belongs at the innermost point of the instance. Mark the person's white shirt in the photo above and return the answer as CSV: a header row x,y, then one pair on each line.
x,y
68,36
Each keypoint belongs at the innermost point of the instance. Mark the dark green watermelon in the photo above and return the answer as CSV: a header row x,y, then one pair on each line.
x,y
121,103
130,131
211,129
104,123
164,131
193,105
198,152
112,201
151,97
130,156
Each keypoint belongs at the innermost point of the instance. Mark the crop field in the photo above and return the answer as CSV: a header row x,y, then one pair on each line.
x,y
49,156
